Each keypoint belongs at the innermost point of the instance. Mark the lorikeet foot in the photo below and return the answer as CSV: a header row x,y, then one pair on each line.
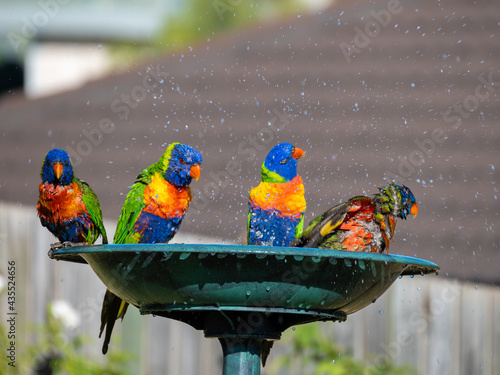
x,y
56,246
66,245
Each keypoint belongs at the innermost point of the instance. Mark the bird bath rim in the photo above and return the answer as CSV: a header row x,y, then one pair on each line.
x,y
415,265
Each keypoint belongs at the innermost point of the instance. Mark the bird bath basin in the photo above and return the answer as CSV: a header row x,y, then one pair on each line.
x,y
244,295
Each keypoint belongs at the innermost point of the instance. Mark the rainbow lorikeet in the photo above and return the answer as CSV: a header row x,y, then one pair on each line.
x,y
152,213
362,223
67,206
277,204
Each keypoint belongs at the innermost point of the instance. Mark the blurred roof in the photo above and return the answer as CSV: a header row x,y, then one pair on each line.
x,y
413,102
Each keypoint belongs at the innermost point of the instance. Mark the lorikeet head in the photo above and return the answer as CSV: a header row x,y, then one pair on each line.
x,y
181,163
57,168
281,163
408,204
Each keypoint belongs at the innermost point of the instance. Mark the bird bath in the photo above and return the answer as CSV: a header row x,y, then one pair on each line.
x,y
244,295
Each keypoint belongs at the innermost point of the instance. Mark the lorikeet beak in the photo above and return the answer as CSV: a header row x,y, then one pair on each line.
x,y
298,153
414,210
58,170
195,171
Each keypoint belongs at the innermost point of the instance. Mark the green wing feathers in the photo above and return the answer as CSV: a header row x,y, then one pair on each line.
x,y
131,210
134,203
320,226
93,207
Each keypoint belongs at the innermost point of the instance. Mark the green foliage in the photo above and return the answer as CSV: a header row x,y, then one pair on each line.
x,y
201,20
315,353
69,355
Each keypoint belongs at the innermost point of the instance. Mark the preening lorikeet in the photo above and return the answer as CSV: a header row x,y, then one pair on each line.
x,y
362,223
277,204
152,213
67,206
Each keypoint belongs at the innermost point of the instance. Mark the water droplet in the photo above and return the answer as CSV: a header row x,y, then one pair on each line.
x,y
248,292
380,312
293,328
184,256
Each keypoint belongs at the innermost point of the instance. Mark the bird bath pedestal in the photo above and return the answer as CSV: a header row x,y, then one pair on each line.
x,y
244,295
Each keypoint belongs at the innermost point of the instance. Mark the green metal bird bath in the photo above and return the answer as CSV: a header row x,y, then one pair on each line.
x,y
244,295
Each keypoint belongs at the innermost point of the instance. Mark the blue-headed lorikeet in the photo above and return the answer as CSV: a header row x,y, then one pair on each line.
x,y
362,223
277,204
67,206
152,213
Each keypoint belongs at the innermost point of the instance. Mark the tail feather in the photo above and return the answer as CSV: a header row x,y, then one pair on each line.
x,y
113,308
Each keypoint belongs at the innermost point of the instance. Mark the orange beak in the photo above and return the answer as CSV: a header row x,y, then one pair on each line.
x,y
298,153
414,210
195,171
58,170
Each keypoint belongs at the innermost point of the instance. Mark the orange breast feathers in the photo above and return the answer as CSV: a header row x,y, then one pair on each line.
x,y
59,204
286,198
166,200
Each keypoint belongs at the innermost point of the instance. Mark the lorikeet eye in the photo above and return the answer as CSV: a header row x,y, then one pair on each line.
x,y
182,161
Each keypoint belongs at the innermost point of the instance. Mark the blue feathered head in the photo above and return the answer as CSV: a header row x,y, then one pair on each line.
x,y
281,163
57,168
181,163
408,203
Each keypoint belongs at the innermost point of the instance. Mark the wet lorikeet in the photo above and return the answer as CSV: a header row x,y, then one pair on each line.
x,y
67,206
362,223
277,204
152,213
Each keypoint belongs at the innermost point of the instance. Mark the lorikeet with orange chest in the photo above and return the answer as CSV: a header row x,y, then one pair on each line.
x,y
277,204
67,206
362,223
152,213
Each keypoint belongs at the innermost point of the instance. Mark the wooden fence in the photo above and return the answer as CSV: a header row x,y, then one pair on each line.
x,y
438,325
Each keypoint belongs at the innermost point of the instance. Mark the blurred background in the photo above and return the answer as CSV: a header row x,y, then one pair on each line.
x,y
372,91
